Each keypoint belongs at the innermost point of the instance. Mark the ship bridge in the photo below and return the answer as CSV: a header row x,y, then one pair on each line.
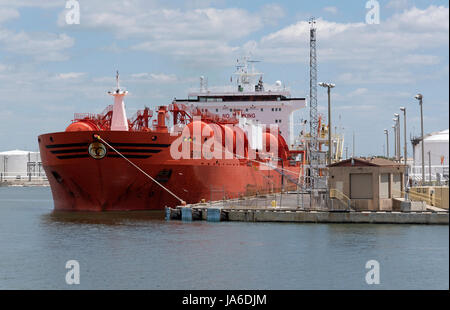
x,y
249,97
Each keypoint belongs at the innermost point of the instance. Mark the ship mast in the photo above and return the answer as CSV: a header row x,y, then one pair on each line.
x,y
245,77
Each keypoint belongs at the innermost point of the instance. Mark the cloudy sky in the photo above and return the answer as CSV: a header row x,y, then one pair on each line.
x,y
50,69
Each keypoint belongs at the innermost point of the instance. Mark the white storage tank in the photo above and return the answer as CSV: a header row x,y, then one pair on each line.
x,y
17,164
436,149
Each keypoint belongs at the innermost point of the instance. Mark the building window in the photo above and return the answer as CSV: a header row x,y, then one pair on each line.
x,y
262,109
217,110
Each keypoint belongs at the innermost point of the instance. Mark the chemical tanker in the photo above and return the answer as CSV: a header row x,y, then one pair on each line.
x,y
219,145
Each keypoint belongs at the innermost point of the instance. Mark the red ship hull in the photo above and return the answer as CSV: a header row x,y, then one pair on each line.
x,y
80,182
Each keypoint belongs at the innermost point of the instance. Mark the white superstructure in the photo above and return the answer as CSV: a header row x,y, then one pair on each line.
x,y
251,100
119,120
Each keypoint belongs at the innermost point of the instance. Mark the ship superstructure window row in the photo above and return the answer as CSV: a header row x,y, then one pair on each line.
x,y
238,98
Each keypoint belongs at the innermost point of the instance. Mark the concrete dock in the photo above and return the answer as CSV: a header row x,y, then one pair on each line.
x,y
266,209
24,183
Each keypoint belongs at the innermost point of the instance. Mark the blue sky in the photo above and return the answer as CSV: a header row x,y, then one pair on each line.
x,y
49,69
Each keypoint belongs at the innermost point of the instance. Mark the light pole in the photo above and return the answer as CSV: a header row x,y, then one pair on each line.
x,y
420,97
396,138
395,141
404,134
397,122
406,182
329,86
387,143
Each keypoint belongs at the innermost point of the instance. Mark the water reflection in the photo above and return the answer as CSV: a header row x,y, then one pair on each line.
x,y
104,218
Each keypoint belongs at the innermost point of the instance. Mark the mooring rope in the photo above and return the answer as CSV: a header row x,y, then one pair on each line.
x,y
146,174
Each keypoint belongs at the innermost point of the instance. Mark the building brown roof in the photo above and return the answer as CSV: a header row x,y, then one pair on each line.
x,y
361,161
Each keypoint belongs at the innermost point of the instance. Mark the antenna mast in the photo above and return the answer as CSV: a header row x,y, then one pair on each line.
x,y
313,116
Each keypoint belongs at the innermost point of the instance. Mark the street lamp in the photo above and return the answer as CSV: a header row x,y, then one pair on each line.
x,y
395,140
396,144
403,109
397,121
387,143
420,97
406,182
329,86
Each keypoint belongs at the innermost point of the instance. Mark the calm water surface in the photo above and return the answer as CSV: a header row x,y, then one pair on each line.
x,y
142,251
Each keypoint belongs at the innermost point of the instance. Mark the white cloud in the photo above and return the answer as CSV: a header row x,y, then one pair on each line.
x,y
171,24
155,77
376,76
358,92
271,13
70,75
40,46
331,9
32,3
398,4
188,34
8,14
432,19
381,54
418,59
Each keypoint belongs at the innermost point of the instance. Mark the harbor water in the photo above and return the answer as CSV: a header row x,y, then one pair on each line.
x,y
140,250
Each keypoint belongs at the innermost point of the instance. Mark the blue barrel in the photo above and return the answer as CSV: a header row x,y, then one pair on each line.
x,y
213,215
167,214
186,214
